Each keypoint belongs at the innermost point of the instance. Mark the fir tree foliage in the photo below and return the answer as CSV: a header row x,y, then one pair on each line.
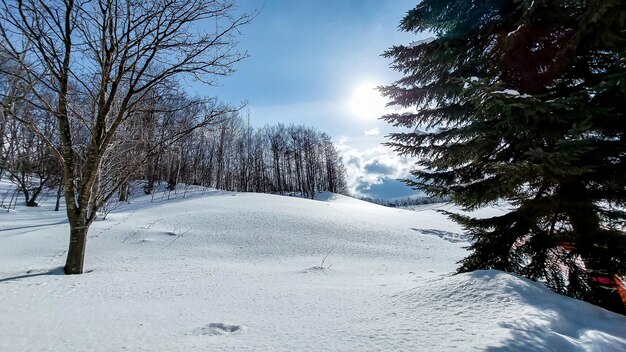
x,y
522,102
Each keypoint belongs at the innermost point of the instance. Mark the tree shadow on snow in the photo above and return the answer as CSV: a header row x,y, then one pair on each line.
x,y
33,273
445,235
34,227
144,202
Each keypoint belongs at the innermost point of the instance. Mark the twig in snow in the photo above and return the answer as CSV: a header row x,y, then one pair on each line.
x,y
129,236
326,256
177,236
147,227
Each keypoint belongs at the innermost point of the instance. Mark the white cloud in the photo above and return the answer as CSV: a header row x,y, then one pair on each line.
x,y
342,140
373,132
372,171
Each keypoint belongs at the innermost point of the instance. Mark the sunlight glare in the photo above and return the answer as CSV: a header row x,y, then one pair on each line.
x,y
367,103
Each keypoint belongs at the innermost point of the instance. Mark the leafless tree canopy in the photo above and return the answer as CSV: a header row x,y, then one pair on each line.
x,y
94,66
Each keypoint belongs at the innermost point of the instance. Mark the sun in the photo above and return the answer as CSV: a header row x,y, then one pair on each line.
x,y
367,103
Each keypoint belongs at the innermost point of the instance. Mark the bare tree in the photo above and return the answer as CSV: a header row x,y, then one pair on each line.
x,y
27,163
101,58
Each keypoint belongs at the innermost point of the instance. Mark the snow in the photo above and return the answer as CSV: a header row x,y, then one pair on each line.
x,y
221,271
420,42
472,79
516,30
519,314
512,92
507,91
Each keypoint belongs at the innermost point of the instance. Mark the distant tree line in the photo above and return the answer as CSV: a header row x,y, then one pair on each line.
x,y
161,120
234,156
405,202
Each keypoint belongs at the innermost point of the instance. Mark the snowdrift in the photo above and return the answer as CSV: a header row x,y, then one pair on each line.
x,y
236,272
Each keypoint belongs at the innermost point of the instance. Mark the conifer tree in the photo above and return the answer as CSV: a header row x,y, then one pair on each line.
x,y
522,102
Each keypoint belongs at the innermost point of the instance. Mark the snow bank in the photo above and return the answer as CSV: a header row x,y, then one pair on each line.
x,y
503,312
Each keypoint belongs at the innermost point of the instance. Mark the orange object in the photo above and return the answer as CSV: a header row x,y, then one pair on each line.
x,y
620,286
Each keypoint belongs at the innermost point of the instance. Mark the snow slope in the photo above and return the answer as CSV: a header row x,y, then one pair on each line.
x,y
243,272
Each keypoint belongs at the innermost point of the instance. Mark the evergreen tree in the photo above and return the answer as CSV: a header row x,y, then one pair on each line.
x,y
523,102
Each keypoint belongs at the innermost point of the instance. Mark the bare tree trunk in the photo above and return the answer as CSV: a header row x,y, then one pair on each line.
x,y
124,190
59,192
78,244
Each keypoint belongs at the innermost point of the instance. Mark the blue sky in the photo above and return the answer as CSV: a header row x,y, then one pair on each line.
x,y
315,63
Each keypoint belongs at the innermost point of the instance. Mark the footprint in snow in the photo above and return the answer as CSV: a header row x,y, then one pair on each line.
x,y
315,269
216,329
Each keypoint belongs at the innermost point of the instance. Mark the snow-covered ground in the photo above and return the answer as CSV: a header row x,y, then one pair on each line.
x,y
244,272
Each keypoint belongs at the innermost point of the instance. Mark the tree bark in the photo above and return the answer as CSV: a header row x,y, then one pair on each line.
x,y
76,250
59,192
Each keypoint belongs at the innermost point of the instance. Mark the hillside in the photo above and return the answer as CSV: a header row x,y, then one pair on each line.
x,y
243,271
